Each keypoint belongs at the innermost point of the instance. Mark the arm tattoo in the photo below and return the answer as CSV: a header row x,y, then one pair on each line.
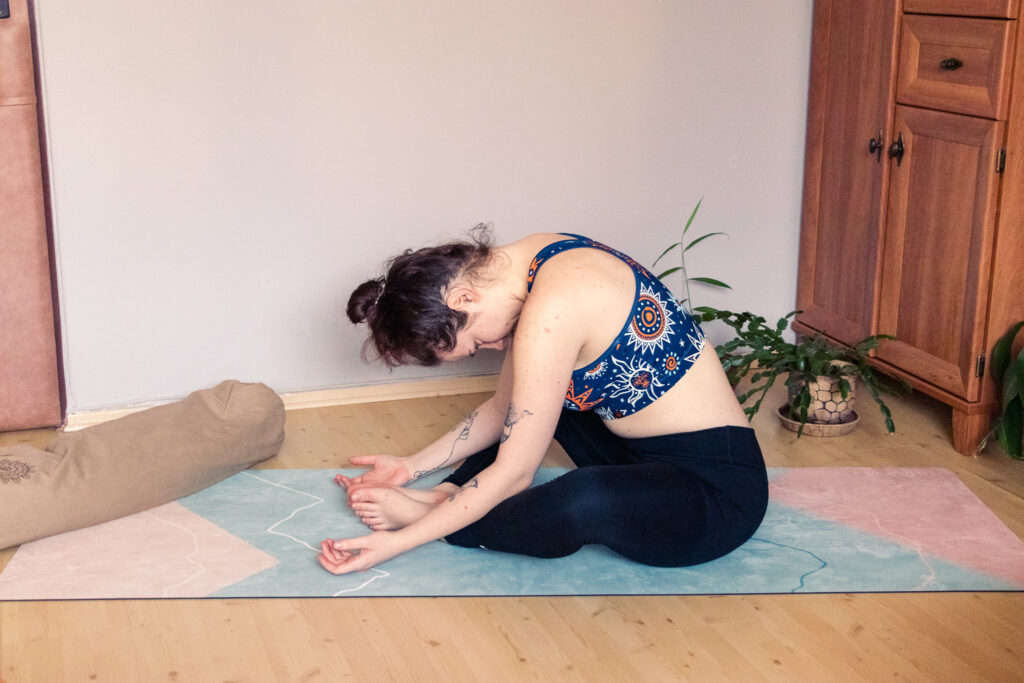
x,y
462,436
511,418
473,483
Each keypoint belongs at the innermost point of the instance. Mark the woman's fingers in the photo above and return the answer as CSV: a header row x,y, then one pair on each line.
x,y
327,550
346,555
342,567
338,557
349,545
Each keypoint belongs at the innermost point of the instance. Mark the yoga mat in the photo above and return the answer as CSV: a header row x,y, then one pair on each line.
x,y
828,529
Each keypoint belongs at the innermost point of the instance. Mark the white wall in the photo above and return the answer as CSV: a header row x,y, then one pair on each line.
x,y
224,173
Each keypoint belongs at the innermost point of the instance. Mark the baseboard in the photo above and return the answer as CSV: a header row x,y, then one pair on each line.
x,y
321,398
395,391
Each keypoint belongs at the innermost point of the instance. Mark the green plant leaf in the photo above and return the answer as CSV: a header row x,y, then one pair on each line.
x,y
689,221
1011,437
669,272
1019,372
1011,425
1001,351
665,253
710,281
1012,386
697,241
783,322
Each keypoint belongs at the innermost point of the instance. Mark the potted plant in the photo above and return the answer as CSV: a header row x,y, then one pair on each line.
x,y
1009,375
810,365
683,246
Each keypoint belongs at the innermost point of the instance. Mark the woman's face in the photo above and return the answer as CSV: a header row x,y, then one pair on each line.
x,y
490,323
481,331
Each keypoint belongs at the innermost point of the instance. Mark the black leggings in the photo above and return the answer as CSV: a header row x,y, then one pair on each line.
x,y
669,501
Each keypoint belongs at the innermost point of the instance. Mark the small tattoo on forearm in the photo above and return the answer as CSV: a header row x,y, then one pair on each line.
x,y
473,483
462,436
511,418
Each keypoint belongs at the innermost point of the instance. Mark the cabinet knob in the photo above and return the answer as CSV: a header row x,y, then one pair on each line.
x,y
875,146
951,64
896,149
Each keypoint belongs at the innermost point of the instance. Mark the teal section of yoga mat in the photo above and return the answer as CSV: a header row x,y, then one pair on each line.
x,y
286,513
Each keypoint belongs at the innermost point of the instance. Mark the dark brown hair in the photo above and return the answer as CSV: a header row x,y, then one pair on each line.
x,y
409,319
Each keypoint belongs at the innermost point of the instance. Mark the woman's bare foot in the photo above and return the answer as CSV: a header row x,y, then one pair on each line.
x,y
386,508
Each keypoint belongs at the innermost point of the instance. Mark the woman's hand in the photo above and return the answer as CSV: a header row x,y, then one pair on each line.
x,y
386,470
358,554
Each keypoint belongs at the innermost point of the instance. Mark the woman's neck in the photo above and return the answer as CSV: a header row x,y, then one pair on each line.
x,y
512,261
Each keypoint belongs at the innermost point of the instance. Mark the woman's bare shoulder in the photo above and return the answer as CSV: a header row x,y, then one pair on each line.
x,y
580,297
587,273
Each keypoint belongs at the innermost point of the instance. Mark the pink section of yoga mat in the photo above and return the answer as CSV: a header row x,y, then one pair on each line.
x,y
902,505
116,559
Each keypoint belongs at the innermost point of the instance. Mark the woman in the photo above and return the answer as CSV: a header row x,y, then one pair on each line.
x,y
598,356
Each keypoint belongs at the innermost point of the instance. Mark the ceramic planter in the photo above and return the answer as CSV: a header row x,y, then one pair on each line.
x,y
829,414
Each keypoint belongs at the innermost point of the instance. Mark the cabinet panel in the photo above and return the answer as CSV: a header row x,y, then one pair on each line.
x,y
956,64
967,8
29,373
845,182
938,247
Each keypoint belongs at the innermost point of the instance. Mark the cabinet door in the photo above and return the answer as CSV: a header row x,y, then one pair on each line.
x,y
938,247
849,104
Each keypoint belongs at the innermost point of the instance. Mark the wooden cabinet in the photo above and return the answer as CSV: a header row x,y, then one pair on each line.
x,y
913,212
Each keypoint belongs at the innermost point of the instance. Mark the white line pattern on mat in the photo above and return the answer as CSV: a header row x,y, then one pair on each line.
x,y
190,557
380,573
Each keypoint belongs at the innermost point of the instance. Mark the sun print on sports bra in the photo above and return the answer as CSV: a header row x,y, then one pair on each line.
x,y
658,343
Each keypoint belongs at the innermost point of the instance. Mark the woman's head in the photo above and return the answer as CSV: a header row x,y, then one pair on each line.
x,y
407,310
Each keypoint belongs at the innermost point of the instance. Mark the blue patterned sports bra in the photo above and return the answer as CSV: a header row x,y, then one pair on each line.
x,y
657,345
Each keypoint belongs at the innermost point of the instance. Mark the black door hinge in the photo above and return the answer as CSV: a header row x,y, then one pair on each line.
x,y
1001,160
979,367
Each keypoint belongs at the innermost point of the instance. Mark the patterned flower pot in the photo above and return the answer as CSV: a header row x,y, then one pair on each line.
x,y
817,429
828,408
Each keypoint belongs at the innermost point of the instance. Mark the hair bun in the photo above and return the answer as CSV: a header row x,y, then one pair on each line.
x,y
363,298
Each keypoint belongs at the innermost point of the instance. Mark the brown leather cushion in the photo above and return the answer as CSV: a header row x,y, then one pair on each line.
x,y
136,462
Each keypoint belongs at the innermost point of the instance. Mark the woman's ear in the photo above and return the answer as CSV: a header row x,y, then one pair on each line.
x,y
460,295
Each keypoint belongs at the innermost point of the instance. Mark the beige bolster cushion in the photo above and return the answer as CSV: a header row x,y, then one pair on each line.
x,y
136,462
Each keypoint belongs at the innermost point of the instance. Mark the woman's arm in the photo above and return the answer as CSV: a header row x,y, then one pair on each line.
x,y
478,430
475,432
542,361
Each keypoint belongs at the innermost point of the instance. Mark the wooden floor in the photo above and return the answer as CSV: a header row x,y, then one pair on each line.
x,y
918,637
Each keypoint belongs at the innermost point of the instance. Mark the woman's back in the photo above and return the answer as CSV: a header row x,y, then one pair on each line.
x,y
599,289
